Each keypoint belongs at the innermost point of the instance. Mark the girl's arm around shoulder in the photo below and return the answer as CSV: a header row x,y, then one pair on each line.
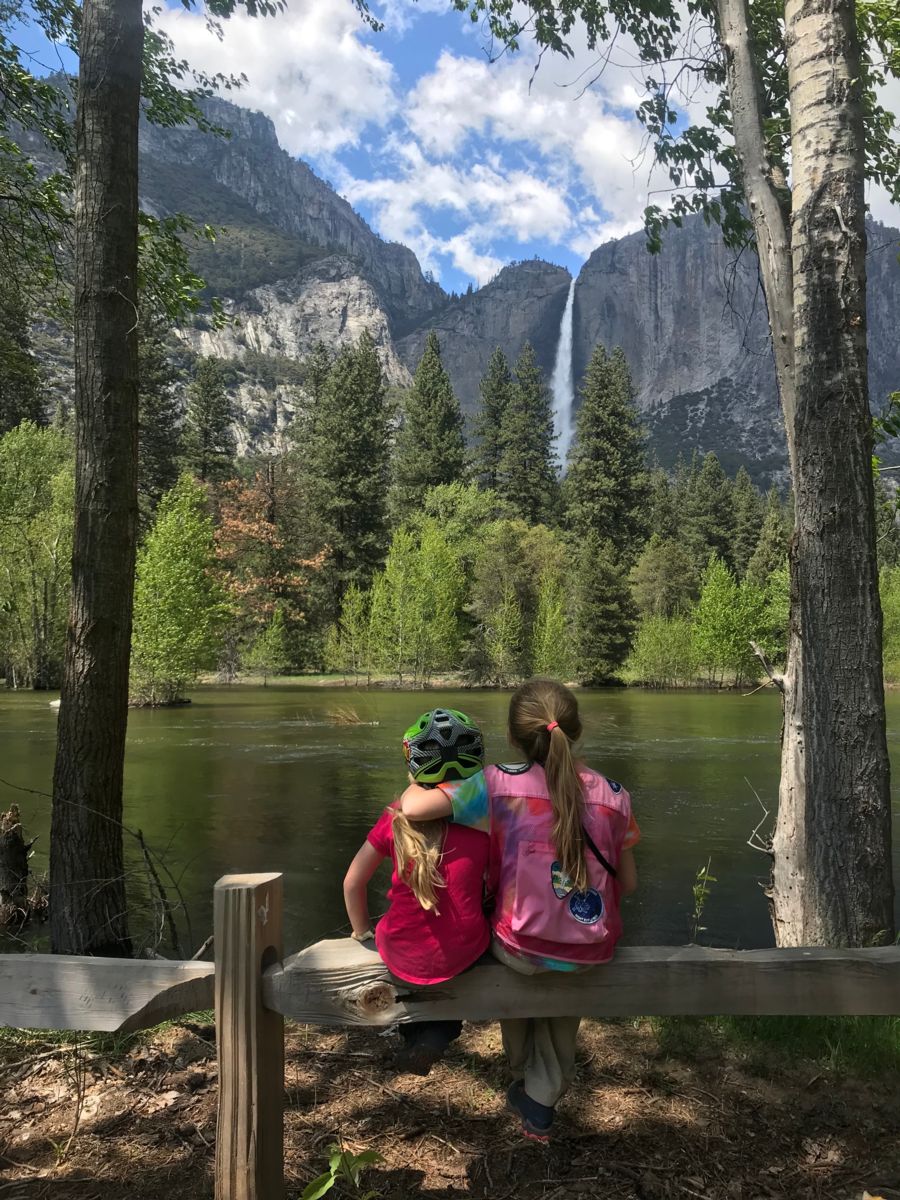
x,y
425,804
627,873
466,801
356,881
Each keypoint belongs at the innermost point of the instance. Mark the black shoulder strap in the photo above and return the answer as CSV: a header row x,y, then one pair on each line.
x,y
596,853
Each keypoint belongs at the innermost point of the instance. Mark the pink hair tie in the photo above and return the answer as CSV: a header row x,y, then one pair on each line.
x,y
553,725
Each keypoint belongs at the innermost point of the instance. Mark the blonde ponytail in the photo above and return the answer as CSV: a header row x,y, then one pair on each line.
x,y
544,722
418,846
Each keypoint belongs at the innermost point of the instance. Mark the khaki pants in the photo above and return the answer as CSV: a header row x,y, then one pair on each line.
x,y
540,1050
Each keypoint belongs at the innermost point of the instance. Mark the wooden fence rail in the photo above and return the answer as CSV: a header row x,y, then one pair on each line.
x,y
343,983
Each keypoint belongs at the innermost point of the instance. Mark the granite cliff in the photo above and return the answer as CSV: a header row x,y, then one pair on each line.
x,y
296,264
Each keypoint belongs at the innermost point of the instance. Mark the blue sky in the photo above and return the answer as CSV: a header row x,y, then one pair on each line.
x,y
469,163
472,164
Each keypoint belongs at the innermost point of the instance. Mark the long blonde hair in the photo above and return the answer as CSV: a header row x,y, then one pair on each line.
x,y
535,705
418,846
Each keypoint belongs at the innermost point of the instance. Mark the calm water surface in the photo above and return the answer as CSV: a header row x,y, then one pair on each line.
x,y
254,779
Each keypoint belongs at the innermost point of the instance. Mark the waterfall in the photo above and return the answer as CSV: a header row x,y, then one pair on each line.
x,y
562,383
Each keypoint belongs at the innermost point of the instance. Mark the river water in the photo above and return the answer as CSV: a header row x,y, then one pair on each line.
x,y
268,779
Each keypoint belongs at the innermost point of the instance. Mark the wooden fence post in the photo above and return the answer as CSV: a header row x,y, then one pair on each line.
x,y
250,1040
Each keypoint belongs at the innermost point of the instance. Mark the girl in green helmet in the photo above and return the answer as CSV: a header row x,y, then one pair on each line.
x,y
435,926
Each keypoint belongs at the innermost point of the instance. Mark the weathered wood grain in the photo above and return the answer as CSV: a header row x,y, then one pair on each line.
x,y
61,991
249,1039
345,983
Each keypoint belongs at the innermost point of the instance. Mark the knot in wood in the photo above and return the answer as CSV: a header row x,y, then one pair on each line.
x,y
375,998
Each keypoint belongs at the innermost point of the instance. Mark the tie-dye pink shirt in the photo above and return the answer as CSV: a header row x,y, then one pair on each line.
x,y
538,911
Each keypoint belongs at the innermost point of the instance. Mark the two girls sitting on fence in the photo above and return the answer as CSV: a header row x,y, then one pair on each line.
x,y
435,926
561,839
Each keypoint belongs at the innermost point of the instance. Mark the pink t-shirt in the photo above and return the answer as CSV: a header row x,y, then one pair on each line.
x,y
425,947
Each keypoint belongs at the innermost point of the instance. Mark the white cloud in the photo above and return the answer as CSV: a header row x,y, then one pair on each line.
x,y
505,102
309,69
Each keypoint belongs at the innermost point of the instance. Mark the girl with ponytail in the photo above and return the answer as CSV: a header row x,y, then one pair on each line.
x,y
561,859
435,925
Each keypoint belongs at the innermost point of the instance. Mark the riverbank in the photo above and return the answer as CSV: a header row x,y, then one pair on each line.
x,y
660,1110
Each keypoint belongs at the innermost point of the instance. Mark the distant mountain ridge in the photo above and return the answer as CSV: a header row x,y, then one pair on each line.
x,y
297,263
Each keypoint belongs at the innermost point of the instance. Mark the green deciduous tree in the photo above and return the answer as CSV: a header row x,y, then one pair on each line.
x,y
348,644
551,639
270,653
208,446
606,486
415,607
430,448
36,502
179,607
663,654
729,615
527,472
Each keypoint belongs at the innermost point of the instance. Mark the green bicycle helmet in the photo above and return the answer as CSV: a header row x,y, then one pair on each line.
x,y
443,744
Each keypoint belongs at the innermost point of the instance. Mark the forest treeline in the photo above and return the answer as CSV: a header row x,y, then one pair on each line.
x,y
382,543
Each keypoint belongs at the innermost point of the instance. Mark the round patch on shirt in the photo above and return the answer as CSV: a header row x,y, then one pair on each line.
x,y
586,907
560,881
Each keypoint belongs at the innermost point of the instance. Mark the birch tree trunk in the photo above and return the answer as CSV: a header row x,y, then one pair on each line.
x,y
831,877
86,859
831,881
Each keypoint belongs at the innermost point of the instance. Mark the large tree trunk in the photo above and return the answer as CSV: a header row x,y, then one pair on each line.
x,y
831,881
831,877
86,860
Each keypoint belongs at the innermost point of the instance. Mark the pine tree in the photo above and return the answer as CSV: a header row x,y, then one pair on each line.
x,y
663,521
772,546
179,607
430,448
344,467
496,388
527,475
663,579
20,381
604,616
705,510
606,486
159,433
208,446
749,511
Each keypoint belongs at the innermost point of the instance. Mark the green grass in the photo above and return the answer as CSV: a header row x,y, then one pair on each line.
x,y
22,1044
860,1046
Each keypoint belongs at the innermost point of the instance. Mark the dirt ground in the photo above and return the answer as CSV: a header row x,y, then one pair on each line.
x,y
643,1122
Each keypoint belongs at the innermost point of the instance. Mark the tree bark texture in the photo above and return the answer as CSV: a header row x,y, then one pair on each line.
x,y
86,857
831,877
831,880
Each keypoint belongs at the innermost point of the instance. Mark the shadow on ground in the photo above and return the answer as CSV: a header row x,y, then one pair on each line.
x,y
645,1121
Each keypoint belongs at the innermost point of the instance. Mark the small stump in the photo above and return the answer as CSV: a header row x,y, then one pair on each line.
x,y
17,903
